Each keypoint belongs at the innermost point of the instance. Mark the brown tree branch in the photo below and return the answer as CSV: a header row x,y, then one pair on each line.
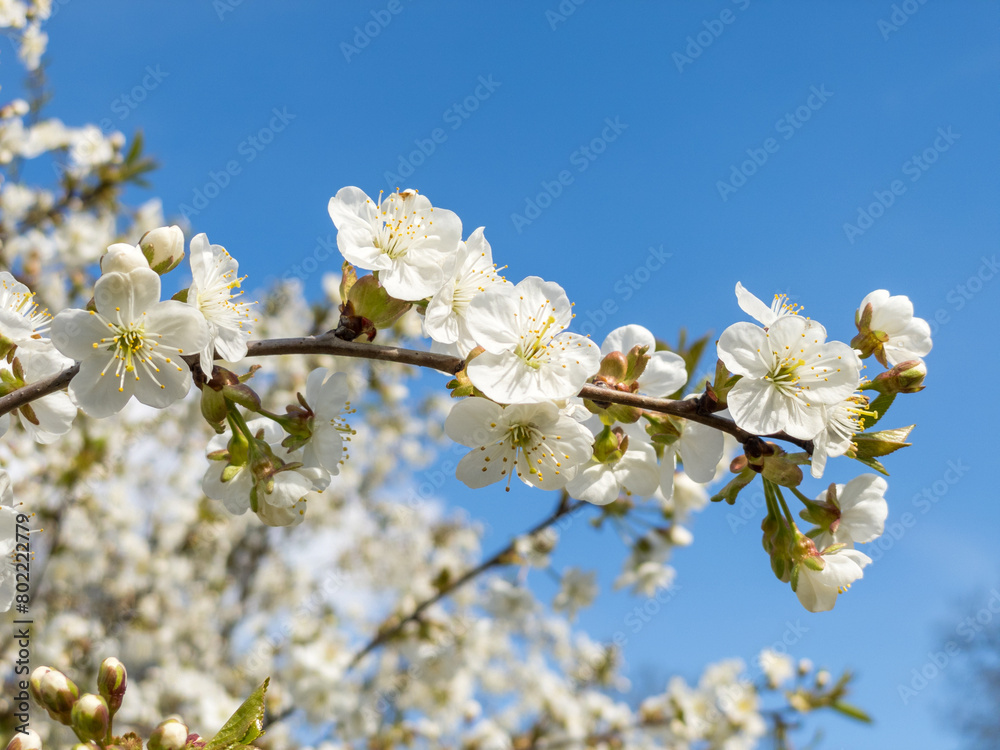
x,y
695,410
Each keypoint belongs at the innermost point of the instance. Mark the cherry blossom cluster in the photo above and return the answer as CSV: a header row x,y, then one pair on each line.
x,y
524,370
380,622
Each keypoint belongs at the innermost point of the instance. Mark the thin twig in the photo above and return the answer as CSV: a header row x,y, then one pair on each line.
x,y
502,557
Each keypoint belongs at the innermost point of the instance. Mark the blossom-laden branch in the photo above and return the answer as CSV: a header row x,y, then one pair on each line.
x,y
693,410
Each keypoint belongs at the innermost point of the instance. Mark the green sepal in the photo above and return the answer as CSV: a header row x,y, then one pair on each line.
x,y
737,483
181,296
880,406
245,725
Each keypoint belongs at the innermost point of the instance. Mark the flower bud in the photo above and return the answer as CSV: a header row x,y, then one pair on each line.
x,y
122,258
169,735
35,683
58,695
112,680
906,377
163,248
91,718
25,741
371,301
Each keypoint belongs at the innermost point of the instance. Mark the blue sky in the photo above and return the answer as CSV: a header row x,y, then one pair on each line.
x,y
822,150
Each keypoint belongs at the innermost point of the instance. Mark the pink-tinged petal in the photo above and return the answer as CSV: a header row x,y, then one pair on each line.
x,y
664,374
474,422
701,450
625,338
491,317
99,395
125,296
744,349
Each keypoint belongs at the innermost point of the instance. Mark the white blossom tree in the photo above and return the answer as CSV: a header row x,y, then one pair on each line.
x,y
145,434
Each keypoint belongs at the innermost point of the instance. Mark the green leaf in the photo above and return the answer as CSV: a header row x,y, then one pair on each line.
x,y
245,725
880,406
872,463
850,711
873,444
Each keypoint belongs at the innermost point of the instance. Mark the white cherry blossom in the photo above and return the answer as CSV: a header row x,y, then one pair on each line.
x,y
21,322
818,589
601,483
665,371
328,397
132,345
234,485
863,511
756,309
474,272
411,244
787,371
897,335
529,357
536,442
842,421
215,275
48,418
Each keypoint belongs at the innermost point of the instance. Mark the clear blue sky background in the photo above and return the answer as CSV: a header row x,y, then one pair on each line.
x,y
887,93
